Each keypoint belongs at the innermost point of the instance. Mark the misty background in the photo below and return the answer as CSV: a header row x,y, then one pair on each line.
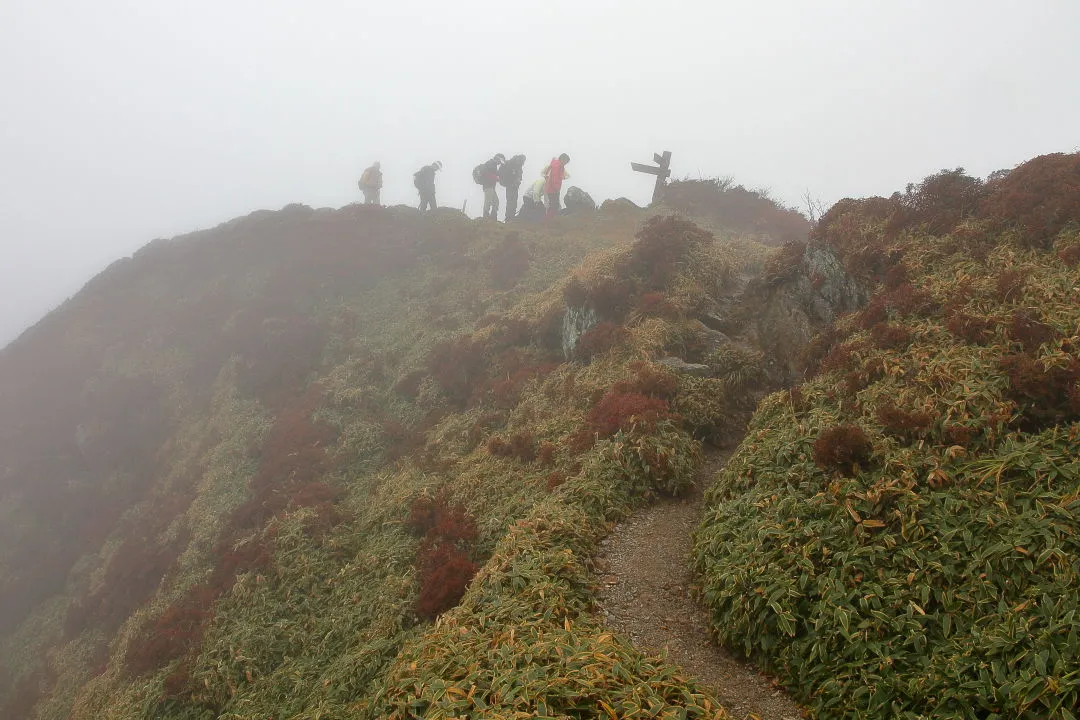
x,y
127,120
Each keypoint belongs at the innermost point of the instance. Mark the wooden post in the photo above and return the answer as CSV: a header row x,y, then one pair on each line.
x,y
662,173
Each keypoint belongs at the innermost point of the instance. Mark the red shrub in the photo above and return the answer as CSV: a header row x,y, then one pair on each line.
x,y
1046,395
1037,199
1029,330
1070,255
961,435
620,411
906,300
580,440
660,246
940,202
973,329
738,209
873,313
902,423
1010,286
518,445
611,297
172,634
508,261
797,398
554,480
842,448
598,339
890,337
648,379
434,518
545,455
456,365
896,276
654,304
444,574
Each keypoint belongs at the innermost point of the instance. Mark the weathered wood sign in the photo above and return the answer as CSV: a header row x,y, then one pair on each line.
x,y
662,173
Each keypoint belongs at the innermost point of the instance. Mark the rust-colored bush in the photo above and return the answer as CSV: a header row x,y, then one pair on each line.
x,y
598,339
1045,394
519,446
1010,286
741,210
939,203
1070,255
873,313
456,365
621,411
648,379
444,574
896,276
905,299
1028,329
903,424
962,435
436,518
545,454
842,448
654,304
554,479
975,330
1037,199
890,337
660,245
574,292
580,440
508,261
172,634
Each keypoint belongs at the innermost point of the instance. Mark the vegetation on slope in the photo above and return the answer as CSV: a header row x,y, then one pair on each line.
x,y
341,417
897,536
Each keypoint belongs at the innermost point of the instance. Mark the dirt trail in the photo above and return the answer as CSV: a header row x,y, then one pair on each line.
x,y
646,596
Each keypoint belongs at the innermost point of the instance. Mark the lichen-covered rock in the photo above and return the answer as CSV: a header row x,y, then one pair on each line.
x,y
791,310
680,366
578,201
576,322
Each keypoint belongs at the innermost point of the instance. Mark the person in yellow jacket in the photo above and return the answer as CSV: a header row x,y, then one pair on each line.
x,y
371,184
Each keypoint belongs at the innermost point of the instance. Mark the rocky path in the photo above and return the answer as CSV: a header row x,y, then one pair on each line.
x,y
646,596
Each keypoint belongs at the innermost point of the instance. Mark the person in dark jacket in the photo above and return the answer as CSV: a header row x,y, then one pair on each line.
x,y
424,181
510,178
487,175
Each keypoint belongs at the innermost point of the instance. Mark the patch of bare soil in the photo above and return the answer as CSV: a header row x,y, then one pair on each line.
x,y
646,596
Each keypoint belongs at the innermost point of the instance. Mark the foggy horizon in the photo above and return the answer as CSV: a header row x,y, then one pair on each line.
x,y
127,122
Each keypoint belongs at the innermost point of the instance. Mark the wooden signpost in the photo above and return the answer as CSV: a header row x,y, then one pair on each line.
x,y
662,173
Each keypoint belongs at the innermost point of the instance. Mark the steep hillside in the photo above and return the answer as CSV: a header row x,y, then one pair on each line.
x,y
897,536
358,463
244,469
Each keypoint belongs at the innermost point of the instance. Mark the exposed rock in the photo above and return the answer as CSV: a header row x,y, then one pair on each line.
x,y
790,312
619,205
714,339
578,201
575,323
682,367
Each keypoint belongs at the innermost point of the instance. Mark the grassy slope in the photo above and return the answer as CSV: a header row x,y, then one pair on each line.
x,y
929,567
295,350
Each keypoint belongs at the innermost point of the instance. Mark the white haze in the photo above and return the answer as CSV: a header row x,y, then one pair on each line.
x,y
125,120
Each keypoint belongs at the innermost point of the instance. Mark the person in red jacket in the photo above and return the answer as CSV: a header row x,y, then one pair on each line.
x,y
554,174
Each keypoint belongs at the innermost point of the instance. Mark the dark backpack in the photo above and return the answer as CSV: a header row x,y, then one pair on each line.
x,y
417,183
478,174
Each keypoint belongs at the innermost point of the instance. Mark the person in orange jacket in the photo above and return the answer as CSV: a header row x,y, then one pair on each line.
x,y
554,174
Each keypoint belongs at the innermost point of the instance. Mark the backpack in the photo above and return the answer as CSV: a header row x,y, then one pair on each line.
x,y
365,179
416,179
478,174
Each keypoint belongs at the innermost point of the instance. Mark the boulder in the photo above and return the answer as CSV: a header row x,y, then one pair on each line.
x,y
577,200
575,323
680,366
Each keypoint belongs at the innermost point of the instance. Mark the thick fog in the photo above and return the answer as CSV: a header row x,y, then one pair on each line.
x,y
126,120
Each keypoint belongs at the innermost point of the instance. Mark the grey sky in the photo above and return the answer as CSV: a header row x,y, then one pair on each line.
x,y
125,120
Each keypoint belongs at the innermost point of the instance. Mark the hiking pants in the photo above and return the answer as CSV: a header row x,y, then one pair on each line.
x,y
552,204
371,196
511,201
491,203
427,201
